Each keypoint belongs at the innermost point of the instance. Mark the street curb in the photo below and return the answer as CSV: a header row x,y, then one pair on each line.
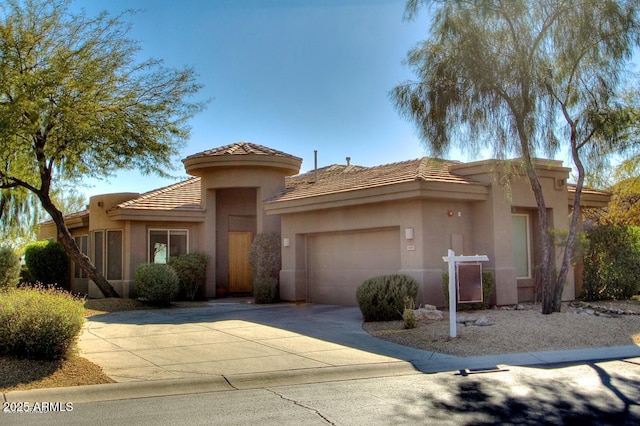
x,y
155,388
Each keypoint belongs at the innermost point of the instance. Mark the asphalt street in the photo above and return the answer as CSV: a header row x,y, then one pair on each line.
x,y
599,393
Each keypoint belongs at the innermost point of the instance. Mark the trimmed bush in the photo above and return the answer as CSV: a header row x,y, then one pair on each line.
x,y
488,282
382,298
192,272
612,263
266,290
39,322
47,262
156,283
265,261
9,268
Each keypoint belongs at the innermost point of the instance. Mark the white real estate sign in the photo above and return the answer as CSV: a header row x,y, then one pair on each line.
x,y
453,260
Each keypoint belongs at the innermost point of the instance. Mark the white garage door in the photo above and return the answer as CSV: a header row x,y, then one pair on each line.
x,y
339,263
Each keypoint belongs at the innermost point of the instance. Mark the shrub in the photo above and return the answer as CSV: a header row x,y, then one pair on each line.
x,y
157,283
488,282
9,268
409,316
612,263
47,262
265,290
382,298
39,322
192,272
265,261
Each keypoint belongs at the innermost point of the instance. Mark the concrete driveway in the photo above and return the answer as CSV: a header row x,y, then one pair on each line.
x,y
240,346
281,343
241,341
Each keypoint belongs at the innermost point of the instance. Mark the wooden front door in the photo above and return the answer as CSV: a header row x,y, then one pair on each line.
x,y
239,269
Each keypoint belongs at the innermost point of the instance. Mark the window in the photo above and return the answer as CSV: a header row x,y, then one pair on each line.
x,y
82,242
167,243
114,255
520,245
107,251
98,250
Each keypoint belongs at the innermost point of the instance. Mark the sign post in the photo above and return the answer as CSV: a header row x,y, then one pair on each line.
x,y
452,260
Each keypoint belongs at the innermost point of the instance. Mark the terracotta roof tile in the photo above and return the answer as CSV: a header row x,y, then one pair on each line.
x,y
241,148
183,195
571,187
337,178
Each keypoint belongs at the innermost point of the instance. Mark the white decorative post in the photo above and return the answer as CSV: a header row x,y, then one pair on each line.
x,y
452,259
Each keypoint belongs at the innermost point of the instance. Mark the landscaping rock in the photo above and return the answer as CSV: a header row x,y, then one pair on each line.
x,y
426,313
482,321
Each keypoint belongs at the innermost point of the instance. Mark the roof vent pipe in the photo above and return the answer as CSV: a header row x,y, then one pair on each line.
x,y
315,165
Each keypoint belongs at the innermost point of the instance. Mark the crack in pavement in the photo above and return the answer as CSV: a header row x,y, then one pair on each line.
x,y
322,416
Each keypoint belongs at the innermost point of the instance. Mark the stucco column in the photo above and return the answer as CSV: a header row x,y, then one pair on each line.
x,y
209,201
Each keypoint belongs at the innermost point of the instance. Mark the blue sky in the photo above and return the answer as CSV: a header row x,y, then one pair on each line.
x,y
294,75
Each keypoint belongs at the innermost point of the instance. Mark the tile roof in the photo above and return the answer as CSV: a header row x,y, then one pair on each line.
x,y
338,178
241,148
571,187
183,195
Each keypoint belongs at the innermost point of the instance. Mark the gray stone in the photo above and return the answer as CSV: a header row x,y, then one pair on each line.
x,y
482,321
463,319
428,314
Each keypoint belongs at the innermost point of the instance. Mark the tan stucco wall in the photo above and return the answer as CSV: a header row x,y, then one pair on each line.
x,y
492,222
468,227
434,233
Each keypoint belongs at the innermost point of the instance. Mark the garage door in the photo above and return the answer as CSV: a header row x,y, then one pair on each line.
x,y
339,263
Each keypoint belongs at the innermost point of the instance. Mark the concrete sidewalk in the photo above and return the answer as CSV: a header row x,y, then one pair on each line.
x,y
228,346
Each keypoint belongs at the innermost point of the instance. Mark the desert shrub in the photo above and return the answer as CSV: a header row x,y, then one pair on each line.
x,y
409,315
382,298
47,262
488,282
156,283
9,268
39,322
265,261
265,290
612,263
192,272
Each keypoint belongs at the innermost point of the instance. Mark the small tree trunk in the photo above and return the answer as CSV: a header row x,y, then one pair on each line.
x,y
546,266
70,246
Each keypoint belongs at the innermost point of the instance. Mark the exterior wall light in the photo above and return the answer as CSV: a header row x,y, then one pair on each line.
x,y
286,242
408,233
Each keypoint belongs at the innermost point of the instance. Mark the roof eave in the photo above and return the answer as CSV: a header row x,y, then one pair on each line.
x,y
172,215
394,192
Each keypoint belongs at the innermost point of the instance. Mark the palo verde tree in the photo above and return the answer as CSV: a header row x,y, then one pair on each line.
x,y
525,78
21,213
75,102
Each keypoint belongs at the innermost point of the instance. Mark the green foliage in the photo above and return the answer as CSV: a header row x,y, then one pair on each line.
x,y
624,207
77,103
265,261
39,322
265,290
382,298
527,81
192,272
408,315
488,282
47,262
9,268
156,283
612,263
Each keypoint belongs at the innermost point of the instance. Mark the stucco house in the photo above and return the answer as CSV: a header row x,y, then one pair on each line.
x,y
339,224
